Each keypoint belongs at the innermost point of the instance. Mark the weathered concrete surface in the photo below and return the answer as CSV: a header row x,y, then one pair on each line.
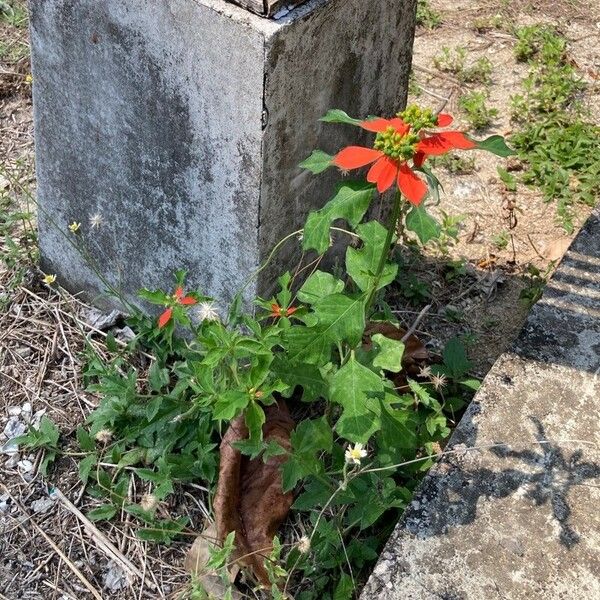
x,y
522,520
268,8
182,122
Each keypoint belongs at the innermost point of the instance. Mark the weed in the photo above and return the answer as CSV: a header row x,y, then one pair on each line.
x,y
485,24
14,13
556,142
426,16
501,240
477,112
535,282
455,62
455,163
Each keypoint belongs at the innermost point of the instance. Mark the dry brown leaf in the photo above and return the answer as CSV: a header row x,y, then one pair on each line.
x,y
195,564
249,498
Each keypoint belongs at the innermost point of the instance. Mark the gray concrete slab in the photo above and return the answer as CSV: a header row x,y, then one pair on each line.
x,y
519,520
181,124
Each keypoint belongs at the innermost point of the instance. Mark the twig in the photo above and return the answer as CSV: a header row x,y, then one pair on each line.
x,y
416,323
56,549
101,541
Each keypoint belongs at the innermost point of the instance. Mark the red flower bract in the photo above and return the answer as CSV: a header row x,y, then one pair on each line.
x,y
178,298
395,145
277,311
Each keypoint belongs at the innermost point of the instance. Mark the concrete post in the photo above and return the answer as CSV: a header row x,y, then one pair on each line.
x,y
180,124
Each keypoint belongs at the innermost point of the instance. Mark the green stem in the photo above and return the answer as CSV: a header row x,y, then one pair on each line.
x,y
396,212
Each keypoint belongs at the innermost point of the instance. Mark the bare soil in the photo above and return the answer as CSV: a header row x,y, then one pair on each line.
x,y
45,549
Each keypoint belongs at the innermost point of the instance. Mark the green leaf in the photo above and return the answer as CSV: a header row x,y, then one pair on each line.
x,y
339,318
510,181
158,377
350,202
86,443
317,162
344,590
319,285
335,115
423,224
85,467
455,358
255,419
230,404
496,145
390,353
154,297
362,263
359,391
102,513
307,376
398,429
307,439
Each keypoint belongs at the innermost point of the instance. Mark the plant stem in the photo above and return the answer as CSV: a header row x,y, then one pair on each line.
x,y
396,211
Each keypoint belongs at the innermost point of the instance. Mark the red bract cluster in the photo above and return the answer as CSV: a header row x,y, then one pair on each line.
x,y
396,144
278,312
177,298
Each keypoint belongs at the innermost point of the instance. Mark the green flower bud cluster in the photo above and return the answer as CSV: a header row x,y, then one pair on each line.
x,y
418,118
396,145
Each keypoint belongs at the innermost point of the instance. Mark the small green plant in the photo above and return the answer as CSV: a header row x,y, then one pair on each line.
x,y
555,141
535,283
13,12
311,343
473,104
456,164
485,24
44,437
426,16
501,240
455,62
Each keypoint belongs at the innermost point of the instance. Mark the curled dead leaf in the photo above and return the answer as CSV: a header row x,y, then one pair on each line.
x,y
249,498
197,558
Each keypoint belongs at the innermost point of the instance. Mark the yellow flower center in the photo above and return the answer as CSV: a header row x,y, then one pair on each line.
x,y
418,118
395,144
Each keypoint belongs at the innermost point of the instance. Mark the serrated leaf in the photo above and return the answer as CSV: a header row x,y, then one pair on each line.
x,y
339,318
102,513
319,285
335,115
390,353
496,144
350,202
344,590
86,443
455,358
230,404
154,296
307,376
317,162
359,391
158,377
423,224
362,263
85,467
309,438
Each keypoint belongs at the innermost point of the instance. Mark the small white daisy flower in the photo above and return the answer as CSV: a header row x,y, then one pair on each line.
x,y
206,311
439,381
96,220
49,279
355,454
425,372
74,227
104,436
303,545
149,502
